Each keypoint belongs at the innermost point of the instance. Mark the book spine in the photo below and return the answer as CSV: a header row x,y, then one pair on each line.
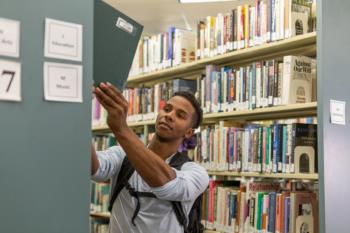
x,y
284,148
254,86
272,212
286,215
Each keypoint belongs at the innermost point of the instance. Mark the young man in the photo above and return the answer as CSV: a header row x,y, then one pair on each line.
x,y
175,122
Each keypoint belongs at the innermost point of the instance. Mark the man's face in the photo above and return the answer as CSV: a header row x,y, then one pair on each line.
x,y
174,121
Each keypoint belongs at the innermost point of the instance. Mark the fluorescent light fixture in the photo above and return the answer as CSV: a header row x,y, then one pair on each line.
x,y
204,1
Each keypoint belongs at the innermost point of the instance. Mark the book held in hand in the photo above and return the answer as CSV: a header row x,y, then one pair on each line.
x,y
115,41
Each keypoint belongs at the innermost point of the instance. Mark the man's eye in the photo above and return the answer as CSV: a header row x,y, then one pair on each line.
x,y
181,115
166,109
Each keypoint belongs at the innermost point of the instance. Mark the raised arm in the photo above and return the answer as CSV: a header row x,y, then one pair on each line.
x,y
153,169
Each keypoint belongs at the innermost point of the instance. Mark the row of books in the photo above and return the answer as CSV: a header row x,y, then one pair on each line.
x,y
259,84
259,207
102,142
263,148
285,146
98,226
163,50
99,197
145,102
245,26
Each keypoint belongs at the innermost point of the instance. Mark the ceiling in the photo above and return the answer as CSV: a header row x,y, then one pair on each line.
x,y
158,15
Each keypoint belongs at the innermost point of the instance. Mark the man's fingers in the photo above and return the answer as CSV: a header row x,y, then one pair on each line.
x,y
103,103
110,92
104,99
100,100
114,93
118,93
115,89
108,107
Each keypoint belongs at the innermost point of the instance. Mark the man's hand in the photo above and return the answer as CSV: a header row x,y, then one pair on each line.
x,y
115,104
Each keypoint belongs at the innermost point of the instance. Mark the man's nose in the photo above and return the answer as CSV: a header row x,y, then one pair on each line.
x,y
170,116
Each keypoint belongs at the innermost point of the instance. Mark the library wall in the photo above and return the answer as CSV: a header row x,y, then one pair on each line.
x,y
333,74
44,146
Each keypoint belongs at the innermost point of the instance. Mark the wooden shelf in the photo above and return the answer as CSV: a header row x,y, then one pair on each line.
x,y
100,215
100,129
277,112
299,45
141,123
104,128
260,175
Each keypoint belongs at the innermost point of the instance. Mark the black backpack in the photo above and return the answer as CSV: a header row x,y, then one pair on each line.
x,y
194,218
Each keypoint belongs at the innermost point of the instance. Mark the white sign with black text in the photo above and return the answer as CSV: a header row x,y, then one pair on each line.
x,y
63,82
337,109
10,81
63,40
9,37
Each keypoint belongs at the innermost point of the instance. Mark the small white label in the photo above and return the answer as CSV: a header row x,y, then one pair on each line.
x,y
337,112
198,53
10,81
62,82
9,37
124,25
63,40
230,46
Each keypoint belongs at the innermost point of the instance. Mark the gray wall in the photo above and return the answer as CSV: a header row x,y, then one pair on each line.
x,y
333,52
45,146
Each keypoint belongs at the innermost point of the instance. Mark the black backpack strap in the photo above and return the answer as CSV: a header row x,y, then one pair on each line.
x,y
180,214
137,195
123,181
124,175
194,221
193,225
176,162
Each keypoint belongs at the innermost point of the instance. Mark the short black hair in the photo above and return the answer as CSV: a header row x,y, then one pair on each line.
x,y
196,105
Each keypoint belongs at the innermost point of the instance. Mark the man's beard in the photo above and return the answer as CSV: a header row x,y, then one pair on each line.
x,y
162,139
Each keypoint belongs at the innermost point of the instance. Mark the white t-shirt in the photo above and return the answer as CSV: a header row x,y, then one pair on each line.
x,y
156,215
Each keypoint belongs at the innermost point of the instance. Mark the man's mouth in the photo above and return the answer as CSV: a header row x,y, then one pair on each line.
x,y
165,124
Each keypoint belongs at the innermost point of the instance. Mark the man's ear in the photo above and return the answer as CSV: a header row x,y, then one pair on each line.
x,y
189,133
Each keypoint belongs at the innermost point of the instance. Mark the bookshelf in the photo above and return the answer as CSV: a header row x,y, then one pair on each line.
x,y
298,45
302,44
287,111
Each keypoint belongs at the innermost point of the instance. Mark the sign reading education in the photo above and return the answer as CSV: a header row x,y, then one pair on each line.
x,y
10,81
62,82
9,37
63,40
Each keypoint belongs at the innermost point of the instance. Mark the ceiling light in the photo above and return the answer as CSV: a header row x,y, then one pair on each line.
x,y
204,1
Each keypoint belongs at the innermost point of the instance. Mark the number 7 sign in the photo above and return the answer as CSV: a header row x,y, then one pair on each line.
x,y
10,81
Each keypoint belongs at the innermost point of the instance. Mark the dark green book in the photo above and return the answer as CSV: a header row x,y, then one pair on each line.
x,y
116,37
